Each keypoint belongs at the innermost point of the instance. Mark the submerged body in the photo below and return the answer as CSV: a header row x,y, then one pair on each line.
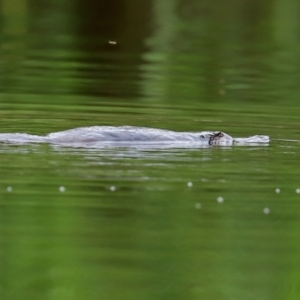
x,y
97,136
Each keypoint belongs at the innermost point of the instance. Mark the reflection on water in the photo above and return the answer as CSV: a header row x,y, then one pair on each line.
x,y
161,222
129,223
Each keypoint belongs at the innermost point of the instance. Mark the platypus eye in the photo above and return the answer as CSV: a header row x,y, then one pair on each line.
x,y
218,134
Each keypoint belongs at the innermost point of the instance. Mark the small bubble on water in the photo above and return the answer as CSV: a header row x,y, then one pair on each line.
x,y
9,189
221,92
112,188
62,189
220,199
298,191
189,184
277,190
198,205
266,210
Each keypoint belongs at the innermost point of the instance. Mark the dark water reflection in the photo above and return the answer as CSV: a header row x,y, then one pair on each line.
x,y
213,223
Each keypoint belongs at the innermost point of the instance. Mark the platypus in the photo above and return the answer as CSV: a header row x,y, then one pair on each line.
x,y
110,135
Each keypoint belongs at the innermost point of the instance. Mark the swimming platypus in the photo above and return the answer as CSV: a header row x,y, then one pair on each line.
x,y
130,135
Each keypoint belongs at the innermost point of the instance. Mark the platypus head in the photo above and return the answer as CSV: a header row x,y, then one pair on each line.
x,y
216,138
220,138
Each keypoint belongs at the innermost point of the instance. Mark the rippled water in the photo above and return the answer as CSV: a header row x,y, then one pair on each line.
x,y
218,222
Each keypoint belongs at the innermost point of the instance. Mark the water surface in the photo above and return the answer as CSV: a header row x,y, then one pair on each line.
x,y
130,223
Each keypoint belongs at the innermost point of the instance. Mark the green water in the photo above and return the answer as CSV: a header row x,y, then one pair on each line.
x,y
123,223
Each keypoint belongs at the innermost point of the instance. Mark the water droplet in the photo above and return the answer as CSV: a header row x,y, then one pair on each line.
x,y
62,189
277,190
266,210
189,184
9,189
112,188
298,191
198,205
220,199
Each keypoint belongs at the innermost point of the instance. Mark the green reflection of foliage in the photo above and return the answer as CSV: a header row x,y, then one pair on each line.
x,y
223,53
203,65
